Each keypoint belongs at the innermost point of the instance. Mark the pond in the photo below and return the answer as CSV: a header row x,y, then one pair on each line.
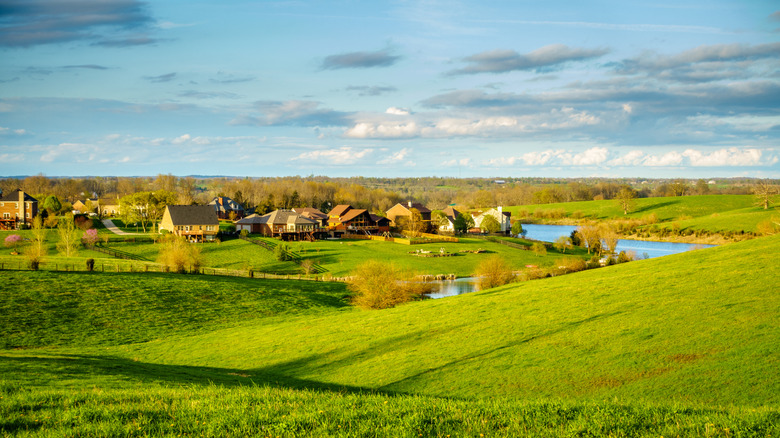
x,y
549,233
449,288
642,248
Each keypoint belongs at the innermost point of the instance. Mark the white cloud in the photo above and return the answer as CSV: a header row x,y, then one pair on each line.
x,y
383,130
464,162
728,157
633,158
398,111
398,157
672,158
181,139
340,157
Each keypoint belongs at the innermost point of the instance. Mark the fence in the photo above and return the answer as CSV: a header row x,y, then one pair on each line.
x,y
23,265
314,268
412,241
117,253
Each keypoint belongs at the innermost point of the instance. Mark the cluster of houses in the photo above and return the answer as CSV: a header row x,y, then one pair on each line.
x,y
201,222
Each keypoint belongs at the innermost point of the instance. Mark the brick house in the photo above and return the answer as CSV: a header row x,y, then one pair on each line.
x,y
405,210
197,223
224,206
17,210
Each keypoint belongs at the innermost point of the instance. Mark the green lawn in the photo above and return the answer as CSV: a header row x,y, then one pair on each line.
x,y
681,345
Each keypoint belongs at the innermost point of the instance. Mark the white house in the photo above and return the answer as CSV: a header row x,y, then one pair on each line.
x,y
503,218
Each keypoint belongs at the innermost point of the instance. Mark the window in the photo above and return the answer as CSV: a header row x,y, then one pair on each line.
x,y
186,228
27,215
200,227
6,215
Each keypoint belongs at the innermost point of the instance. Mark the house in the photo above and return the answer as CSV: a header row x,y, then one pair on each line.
x,y
197,223
314,214
503,218
405,210
450,214
81,205
345,219
286,224
17,209
225,206
108,207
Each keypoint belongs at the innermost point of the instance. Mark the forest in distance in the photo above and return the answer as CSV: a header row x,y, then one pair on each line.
x,y
375,194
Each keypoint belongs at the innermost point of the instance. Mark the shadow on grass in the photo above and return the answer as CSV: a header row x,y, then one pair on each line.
x,y
654,206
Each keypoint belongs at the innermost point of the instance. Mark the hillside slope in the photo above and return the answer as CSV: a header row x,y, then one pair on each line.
x,y
695,327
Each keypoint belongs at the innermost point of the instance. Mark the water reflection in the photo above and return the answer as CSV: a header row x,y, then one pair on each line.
x,y
642,248
449,288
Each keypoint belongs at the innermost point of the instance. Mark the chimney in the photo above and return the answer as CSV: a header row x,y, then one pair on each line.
x,y
500,209
21,207
410,204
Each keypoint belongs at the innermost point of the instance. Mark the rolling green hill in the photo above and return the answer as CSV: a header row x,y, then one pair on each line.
x,y
680,345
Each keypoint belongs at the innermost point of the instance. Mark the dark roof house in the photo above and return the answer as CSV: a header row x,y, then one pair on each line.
x,y
196,222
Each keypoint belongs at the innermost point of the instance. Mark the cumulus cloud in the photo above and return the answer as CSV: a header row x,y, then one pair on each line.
x,y
383,130
728,157
34,22
398,111
502,61
380,58
339,157
293,113
595,156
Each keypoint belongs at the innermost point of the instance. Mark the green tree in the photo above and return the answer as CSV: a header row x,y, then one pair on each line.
x,y
36,251
381,285
493,272
146,208
463,223
282,252
517,229
52,204
68,234
489,224
625,198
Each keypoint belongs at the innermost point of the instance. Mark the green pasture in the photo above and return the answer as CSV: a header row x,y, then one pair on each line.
x,y
744,219
340,257
665,208
681,345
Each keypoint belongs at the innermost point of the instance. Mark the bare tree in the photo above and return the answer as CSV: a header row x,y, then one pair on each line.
x,y
625,198
764,192
68,234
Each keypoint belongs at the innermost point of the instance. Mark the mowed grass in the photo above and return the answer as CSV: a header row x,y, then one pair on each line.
x,y
39,309
681,345
342,257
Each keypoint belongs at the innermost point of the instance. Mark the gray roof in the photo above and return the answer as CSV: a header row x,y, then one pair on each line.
x,y
280,217
225,204
14,197
193,215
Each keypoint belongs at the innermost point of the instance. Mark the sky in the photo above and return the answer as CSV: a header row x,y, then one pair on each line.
x,y
646,89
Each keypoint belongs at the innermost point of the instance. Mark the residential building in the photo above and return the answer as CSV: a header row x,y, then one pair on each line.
x,y
503,218
451,215
225,206
405,210
286,224
344,219
197,223
17,210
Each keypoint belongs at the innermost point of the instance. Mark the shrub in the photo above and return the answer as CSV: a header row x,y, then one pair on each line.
x,y
179,255
90,237
381,285
282,252
569,265
539,249
13,241
493,272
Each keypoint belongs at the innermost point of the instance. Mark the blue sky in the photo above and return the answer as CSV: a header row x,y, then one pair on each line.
x,y
399,88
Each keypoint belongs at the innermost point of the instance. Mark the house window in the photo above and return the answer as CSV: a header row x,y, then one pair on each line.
x,y
27,215
6,215
186,228
200,227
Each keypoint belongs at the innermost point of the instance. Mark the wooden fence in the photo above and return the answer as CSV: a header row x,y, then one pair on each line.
x,y
136,267
314,268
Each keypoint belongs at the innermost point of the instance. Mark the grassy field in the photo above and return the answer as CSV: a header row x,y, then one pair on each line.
x,y
681,345
712,213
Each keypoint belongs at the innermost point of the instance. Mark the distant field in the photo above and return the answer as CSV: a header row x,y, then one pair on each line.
x,y
680,345
708,212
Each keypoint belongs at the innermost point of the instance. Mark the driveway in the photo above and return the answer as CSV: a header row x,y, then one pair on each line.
x,y
111,227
